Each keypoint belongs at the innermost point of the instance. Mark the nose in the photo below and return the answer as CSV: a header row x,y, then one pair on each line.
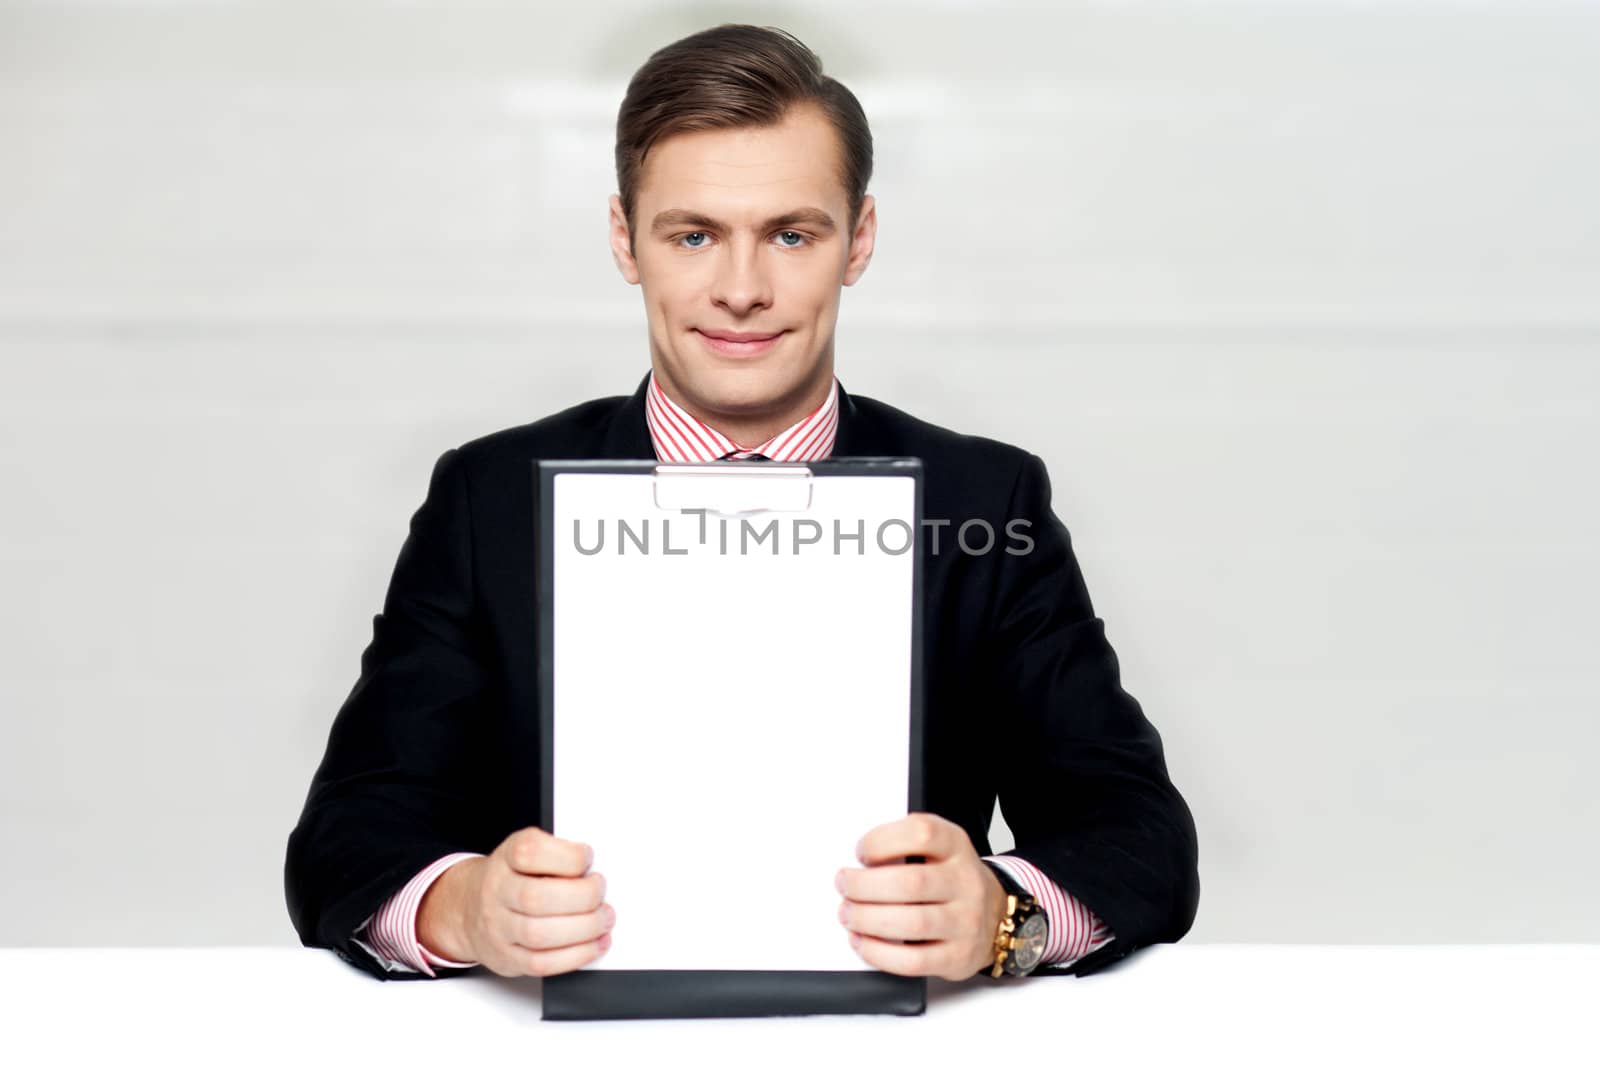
x,y
741,284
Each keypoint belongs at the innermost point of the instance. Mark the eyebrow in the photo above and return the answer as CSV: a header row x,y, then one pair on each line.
x,y
814,217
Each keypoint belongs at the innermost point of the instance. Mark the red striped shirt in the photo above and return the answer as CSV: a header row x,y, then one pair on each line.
x,y
390,935
679,436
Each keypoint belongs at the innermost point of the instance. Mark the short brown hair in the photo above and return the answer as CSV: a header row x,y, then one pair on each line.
x,y
733,76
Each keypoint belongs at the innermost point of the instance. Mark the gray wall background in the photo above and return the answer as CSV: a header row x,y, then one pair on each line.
x,y
1297,300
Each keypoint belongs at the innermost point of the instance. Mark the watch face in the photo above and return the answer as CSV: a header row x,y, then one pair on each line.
x,y
1027,943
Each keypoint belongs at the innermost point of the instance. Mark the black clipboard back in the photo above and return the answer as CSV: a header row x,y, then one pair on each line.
x,y
618,994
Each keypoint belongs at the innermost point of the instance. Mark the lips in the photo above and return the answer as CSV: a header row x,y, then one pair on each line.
x,y
738,344
740,338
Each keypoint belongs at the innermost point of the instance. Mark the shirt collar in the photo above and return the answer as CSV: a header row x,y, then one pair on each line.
x,y
679,436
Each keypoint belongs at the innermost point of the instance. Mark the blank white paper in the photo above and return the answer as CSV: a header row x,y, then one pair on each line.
x,y
727,725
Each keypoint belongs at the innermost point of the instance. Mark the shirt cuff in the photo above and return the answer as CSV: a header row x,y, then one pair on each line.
x,y
391,933
1074,930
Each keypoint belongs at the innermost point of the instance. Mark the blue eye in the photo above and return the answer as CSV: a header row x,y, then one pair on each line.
x,y
790,233
686,236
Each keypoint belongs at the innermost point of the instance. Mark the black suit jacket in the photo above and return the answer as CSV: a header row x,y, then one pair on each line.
x,y
437,747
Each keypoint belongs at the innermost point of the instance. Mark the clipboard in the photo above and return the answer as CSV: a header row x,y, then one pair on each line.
x,y
730,696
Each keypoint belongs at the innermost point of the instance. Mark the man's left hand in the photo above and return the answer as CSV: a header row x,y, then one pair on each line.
x,y
937,918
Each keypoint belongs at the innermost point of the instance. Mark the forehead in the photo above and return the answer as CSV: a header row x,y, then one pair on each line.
x,y
728,172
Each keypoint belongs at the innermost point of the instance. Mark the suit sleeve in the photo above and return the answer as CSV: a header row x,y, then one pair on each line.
x,y
1088,797
398,786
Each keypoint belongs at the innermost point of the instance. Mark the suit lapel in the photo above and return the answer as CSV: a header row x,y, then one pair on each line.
x,y
627,435
857,433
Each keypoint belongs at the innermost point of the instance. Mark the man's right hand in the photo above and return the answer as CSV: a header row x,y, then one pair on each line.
x,y
531,908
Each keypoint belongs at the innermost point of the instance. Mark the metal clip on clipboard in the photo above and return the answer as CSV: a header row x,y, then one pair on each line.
x,y
720,488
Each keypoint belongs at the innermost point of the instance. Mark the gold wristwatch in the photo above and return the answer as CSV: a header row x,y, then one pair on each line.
x,y
1020,940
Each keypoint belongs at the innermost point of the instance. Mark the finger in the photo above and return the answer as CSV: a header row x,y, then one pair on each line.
x,y
559,960
903,958
549,896
535,851
925,921
923,834
549,933
897,883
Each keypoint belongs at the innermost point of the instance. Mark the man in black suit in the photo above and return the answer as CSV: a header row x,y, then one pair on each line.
x,y
741,214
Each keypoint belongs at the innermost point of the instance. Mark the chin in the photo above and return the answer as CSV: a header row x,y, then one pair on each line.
x,y
751,394
742,386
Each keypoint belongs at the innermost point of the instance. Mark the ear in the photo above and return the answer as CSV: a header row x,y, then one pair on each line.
x,y
862,240
620,251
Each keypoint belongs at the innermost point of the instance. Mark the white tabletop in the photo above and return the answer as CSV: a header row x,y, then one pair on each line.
x,y
1520,1003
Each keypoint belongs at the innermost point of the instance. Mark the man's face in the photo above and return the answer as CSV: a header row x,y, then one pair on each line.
x,y
743,231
